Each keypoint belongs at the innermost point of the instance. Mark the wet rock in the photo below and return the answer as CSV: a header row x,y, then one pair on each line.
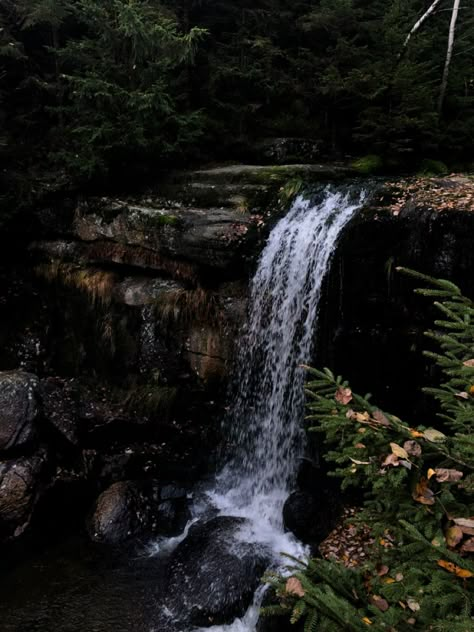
x,y
213,576
60,407
122,512
300,515
18,408
172,516
20,489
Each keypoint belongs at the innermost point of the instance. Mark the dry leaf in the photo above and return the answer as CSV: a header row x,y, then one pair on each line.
x,y
416,433
423,494
382,570
454,535
406,464
462,395
464,522
468,546
412,448
343,395
389,580
294,587
379,603
399,451
413,605
456,570
359,462
469,363
367,621
431,473
399,577
392,459
411,621
380,418
359,446
448,476
435,436
362,417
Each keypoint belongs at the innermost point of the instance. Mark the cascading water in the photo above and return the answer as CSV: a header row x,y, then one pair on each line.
x,y
266,414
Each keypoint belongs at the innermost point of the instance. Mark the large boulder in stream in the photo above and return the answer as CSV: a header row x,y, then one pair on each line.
x,y
18,408
213,575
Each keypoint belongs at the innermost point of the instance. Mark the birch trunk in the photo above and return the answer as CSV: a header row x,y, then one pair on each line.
x,y
449,54
418,25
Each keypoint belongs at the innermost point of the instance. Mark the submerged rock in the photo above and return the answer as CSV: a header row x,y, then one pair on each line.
x,y
212,575
18,408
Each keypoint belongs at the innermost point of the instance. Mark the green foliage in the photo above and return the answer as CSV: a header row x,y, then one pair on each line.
x,y
433,168
418,484
368,165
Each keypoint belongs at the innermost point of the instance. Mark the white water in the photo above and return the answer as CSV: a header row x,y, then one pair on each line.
x,y
265,419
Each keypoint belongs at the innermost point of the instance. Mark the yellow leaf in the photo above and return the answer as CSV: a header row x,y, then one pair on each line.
x,y
456,570
399,451
435,436
431,473
454,535
367,621
389,580
416,433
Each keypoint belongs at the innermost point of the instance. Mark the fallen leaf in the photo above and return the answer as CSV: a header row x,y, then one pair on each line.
x,y
471,390
382,570
399,577
360,446
359,462
392,459
389,580
454,535
412,448
416,433
293,587
456,570
431,473
464,522
448,476
411,621
469,363
413,605
362,417
399,451
435,436
343,395
406,464
380,418
367,621
468,546
423,494
380,603
462,395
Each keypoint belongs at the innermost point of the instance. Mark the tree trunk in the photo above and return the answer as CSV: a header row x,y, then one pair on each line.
x,y
449,55
418,25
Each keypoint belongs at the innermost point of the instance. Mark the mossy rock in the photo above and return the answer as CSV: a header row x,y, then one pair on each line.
x,y
433,168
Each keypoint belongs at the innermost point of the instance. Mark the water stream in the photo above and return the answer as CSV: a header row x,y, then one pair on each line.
x,y
265,418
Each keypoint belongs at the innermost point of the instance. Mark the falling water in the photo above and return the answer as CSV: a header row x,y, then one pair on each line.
x,y
265,417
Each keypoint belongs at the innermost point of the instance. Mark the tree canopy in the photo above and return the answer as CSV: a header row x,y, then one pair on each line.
x,y
90,87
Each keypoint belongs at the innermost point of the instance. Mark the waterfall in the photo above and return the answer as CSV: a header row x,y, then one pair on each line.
x,y
265,418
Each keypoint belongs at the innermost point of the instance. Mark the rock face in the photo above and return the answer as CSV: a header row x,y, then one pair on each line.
x,y
18,408
212,577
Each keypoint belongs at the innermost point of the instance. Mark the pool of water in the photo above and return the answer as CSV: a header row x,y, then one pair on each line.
x,y
75,586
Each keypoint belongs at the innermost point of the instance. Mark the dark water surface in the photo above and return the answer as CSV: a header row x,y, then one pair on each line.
x,y
75,586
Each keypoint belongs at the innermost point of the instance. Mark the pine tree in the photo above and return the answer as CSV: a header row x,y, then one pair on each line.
x,y
419,485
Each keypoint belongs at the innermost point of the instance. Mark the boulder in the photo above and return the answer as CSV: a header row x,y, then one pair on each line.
x,y
121,513
18,408
212,575
20,489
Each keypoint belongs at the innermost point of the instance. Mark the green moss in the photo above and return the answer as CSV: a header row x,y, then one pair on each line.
x,y
433,168
368,165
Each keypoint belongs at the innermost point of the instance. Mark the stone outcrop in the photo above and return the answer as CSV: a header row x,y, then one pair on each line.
x,y
18,409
